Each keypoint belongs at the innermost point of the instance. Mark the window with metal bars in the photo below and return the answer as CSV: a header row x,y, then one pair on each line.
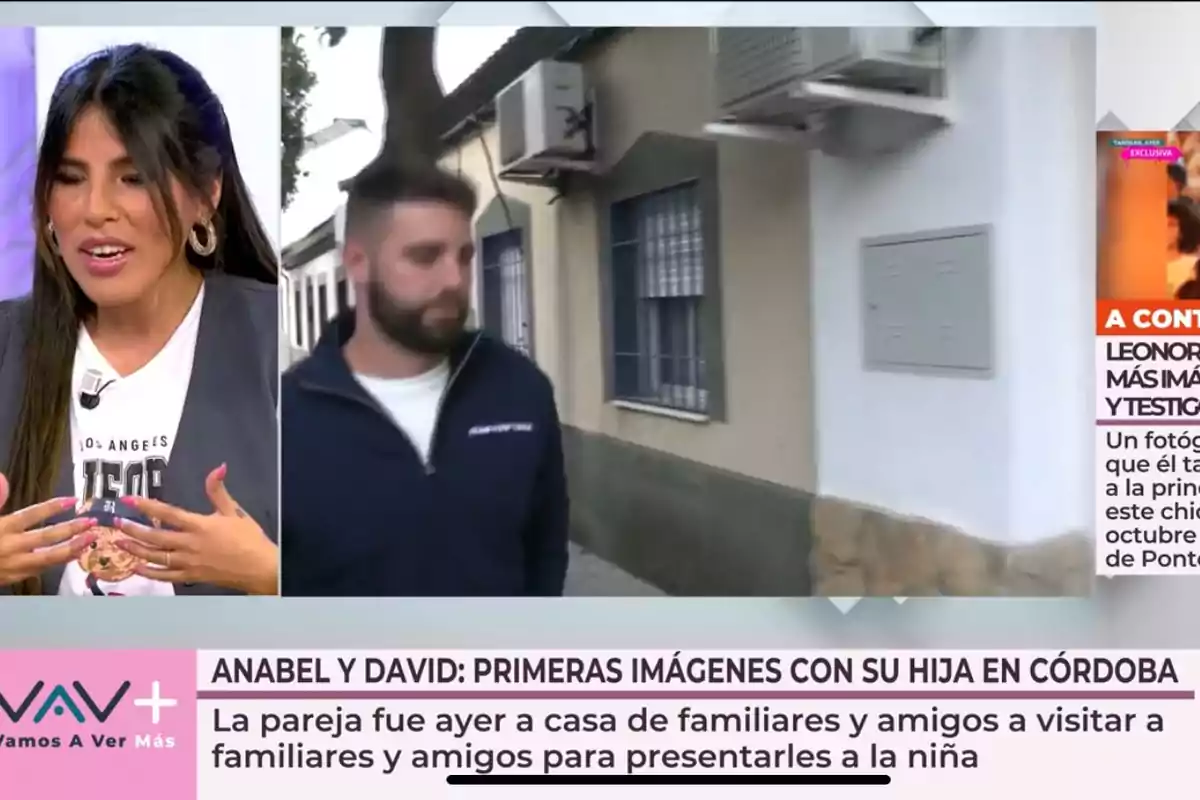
x,y
505,288
657,285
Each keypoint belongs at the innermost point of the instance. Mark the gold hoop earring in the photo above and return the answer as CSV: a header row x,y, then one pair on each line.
x,y
209,245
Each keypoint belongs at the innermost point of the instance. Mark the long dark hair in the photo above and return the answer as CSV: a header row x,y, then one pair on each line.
x,y
173,128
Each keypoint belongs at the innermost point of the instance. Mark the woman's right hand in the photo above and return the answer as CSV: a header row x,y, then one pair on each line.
x,y
27,548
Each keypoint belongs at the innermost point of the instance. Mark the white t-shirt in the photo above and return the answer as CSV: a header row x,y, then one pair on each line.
x,y
411,402
122,446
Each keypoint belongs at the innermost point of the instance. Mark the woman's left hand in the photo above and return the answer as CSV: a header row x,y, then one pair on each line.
x,y
226,548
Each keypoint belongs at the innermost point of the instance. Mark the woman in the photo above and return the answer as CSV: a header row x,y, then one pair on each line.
x,y
1183,242
143,365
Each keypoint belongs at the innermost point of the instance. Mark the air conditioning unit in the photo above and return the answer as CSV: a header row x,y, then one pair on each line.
x,y
753,62
542,120
845,91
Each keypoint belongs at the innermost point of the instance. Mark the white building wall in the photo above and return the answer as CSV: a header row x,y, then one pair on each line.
x,y
1006,458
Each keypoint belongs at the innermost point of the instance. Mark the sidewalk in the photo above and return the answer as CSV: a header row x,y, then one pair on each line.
x,y
591,576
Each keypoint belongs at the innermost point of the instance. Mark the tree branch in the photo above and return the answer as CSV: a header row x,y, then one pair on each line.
x,y
413,95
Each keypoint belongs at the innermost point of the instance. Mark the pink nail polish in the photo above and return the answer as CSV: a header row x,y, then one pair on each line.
x,y
221,471
68,502
129,500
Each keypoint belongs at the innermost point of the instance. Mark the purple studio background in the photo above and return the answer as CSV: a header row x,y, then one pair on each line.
x,y
18,159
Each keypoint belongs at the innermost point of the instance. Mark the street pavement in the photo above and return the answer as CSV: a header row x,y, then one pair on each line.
x,y
588,575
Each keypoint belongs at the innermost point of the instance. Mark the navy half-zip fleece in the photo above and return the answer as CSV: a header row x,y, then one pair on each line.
x,y
364,516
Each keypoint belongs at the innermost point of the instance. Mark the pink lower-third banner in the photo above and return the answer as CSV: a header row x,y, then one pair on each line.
x,y
934,725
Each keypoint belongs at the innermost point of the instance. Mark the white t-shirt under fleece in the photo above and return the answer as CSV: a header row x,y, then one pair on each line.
x,y
122,446
412,403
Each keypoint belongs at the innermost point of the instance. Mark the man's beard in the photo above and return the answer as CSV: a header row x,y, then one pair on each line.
x,y
405,325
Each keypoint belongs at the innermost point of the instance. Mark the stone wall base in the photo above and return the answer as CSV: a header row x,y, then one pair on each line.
x,y
859,551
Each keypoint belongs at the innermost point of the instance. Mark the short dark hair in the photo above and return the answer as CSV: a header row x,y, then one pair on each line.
x,y
1177,174
381,186
1184,212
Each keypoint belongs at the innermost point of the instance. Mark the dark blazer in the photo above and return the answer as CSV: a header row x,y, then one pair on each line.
x,y
230,415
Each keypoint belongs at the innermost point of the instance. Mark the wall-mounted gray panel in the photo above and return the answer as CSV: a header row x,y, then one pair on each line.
x,y
927,302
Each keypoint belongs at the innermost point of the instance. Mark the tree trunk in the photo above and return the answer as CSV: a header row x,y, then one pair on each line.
x,y
413,96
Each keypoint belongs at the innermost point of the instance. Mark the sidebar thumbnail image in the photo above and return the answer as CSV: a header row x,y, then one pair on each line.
x,y
1149,220
1147,352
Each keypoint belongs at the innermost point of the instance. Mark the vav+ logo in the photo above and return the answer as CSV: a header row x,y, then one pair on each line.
x,y
60,700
